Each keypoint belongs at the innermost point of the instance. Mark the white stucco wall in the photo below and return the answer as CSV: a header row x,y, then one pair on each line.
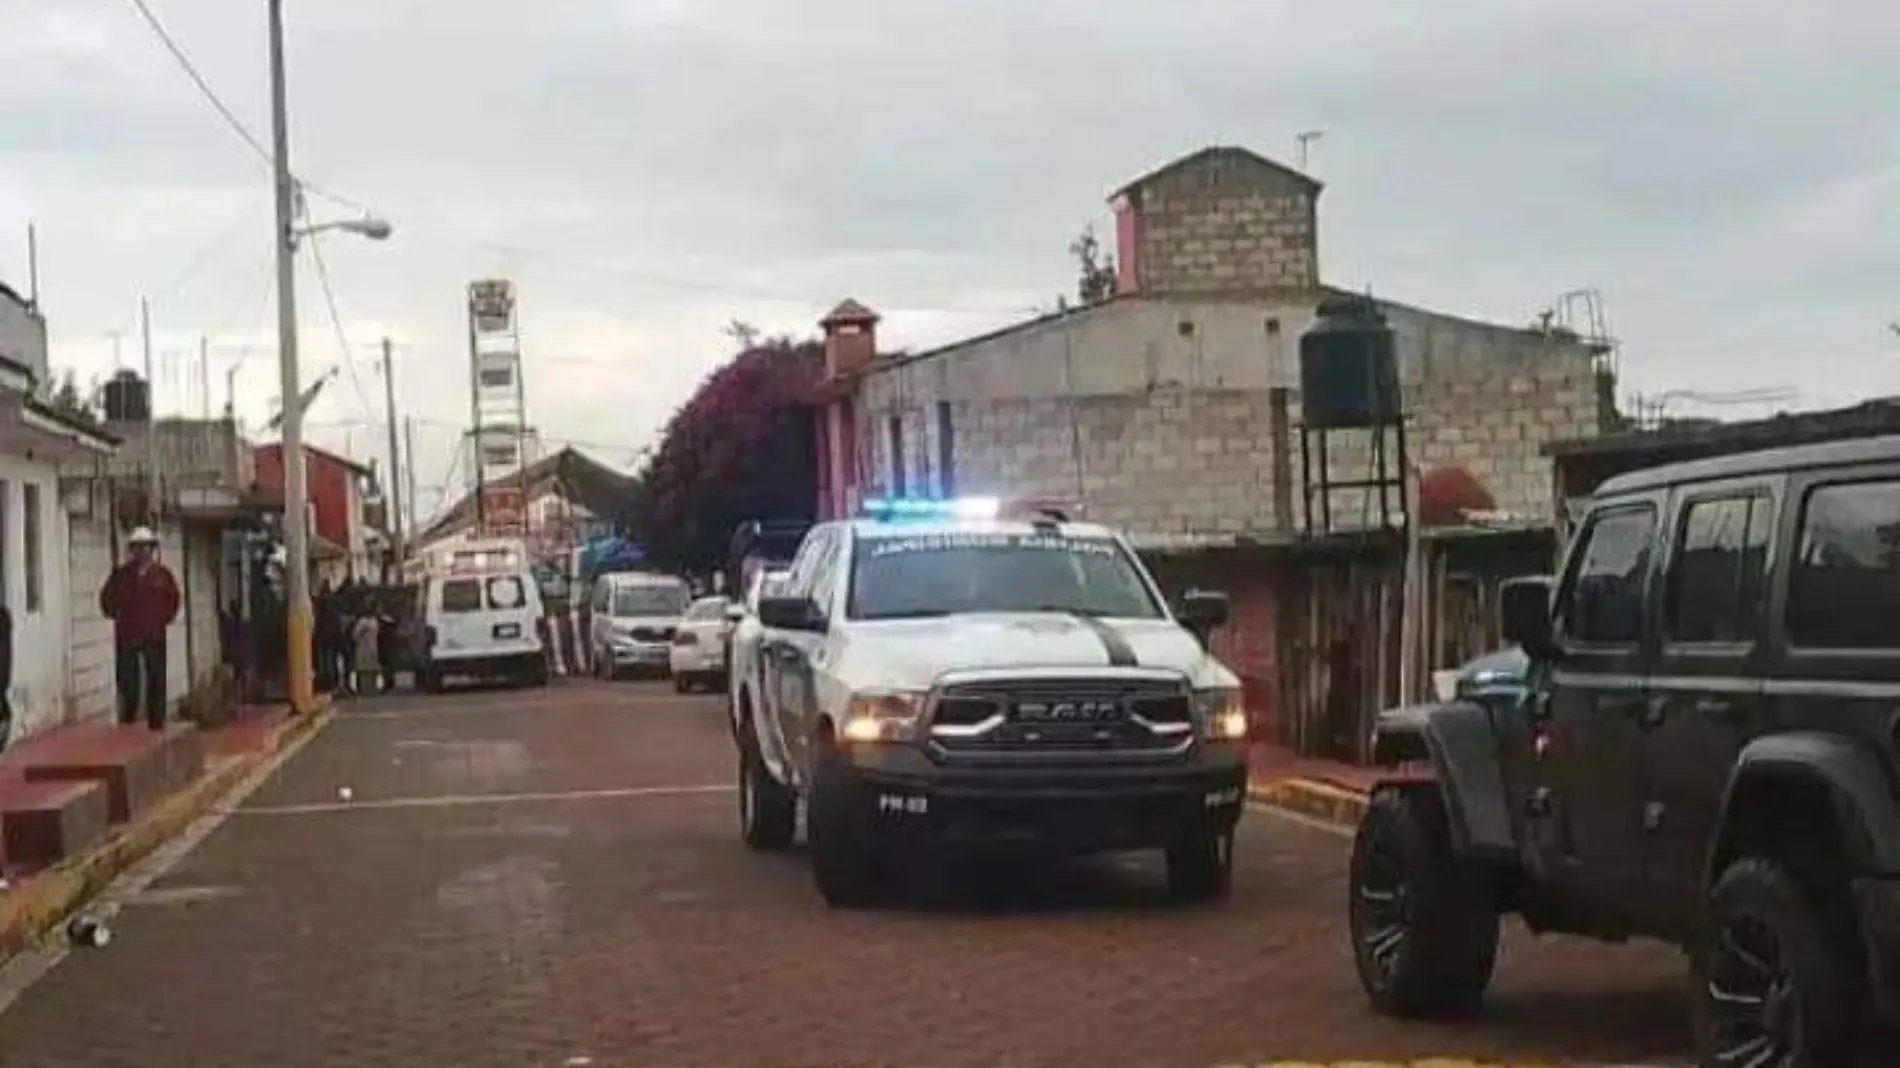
x,y
90,689
40,652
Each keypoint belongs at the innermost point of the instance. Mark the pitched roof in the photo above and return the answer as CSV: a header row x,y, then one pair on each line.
x,y
587,481
848,311
1234,151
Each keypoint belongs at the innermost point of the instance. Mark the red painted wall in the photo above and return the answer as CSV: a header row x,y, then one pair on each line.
x,y
327,478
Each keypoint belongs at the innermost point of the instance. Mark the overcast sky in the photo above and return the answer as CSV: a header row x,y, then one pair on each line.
x,y
1726,172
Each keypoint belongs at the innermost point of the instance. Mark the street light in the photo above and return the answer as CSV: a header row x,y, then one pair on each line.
x,y
297,683
371,227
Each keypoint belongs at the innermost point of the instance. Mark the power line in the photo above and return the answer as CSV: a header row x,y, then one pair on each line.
x,y
218,105
336,323
204,88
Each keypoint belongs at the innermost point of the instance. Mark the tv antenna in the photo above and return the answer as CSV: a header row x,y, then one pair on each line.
x,y
1306,141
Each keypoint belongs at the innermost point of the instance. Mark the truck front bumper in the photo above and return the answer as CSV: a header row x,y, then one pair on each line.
x,y
902,798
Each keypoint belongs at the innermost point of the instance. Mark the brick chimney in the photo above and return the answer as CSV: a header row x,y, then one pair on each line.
x,y
1222,220
850,339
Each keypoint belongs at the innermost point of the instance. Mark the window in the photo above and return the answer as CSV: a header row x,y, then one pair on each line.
x,y
1716,583
1844,590
506,592
461,595
30,521
655,600
707,608
824,575
1604,605
946,449
899,469
912,576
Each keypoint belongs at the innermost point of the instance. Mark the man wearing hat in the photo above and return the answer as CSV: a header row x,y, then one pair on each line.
x,y
141,598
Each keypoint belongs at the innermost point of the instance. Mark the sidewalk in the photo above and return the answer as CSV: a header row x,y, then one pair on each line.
x,y
80,804
1324,790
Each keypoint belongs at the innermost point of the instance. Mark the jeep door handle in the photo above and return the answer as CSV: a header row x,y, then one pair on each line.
x,y
1652,712
1717,708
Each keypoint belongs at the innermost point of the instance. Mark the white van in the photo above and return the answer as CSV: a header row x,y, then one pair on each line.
x,y
634,617
483,624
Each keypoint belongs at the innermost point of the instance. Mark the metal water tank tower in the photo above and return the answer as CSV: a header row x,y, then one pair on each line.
x,y
1349,375
1349,385
128,398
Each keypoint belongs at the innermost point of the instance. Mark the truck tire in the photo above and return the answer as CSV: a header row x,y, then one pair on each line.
x,y
843,863
1201,865
1423,920
1787,971
768,812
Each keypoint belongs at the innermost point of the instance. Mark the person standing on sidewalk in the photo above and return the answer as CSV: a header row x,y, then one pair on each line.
x,y
141,599
364,656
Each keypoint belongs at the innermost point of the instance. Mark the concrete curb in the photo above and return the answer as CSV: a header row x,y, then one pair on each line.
x,y
1313,799
37,905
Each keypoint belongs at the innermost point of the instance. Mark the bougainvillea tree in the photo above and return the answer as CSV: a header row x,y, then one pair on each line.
x,y
741,448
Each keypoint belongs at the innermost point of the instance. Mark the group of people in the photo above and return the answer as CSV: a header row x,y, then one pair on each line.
x,y
359,637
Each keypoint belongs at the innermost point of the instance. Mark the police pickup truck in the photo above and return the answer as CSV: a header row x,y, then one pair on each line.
x,y
955,674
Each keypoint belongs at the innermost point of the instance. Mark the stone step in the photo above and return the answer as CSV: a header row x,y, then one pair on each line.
x,y
137,766
43,823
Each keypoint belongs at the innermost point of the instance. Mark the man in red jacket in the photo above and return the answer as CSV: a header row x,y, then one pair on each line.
x,y
141,599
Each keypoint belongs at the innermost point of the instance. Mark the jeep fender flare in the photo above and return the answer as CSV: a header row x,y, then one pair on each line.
x,y
1858,787
1458,741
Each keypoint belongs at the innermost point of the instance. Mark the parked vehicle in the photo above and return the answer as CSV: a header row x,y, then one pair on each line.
x,y
698,657
1706,754
745,662
634,617
936,676
483,623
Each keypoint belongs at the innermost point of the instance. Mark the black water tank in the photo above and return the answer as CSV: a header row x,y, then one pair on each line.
x,y
1349,374
128,399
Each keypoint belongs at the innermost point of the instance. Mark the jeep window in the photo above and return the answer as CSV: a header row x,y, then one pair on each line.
x,y
900,576
1716,578
1604,605
461,595
1844,589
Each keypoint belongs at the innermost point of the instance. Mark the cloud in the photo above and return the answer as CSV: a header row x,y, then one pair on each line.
x,y
1722,170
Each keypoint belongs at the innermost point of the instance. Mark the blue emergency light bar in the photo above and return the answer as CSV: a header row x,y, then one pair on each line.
x,y
898,508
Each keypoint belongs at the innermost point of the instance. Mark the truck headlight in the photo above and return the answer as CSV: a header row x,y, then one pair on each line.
x,y
881,716
1223,714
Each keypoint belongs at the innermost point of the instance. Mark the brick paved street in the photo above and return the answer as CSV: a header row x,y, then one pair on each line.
x,y
556,879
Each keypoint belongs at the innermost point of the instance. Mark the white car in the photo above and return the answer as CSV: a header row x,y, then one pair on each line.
x,y
483,624
944,675
699,645
633,618
745,671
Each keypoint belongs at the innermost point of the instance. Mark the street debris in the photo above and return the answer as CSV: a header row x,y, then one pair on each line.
x,y
88,932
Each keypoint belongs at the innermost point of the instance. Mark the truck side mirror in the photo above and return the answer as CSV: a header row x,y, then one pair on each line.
x,y
1524,606
790,613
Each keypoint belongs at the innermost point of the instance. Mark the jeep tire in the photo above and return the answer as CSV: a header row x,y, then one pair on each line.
x,y
1201,865
768,812
843,862
1423,920
1787,972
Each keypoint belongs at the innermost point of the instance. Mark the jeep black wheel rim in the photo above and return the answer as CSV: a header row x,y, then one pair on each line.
x,y
1382,912
1754,1006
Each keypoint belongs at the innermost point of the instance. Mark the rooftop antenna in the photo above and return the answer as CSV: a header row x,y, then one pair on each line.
x,y
1306,140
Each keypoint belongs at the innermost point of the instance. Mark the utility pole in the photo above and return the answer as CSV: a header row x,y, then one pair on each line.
x,y
297,683
204,377
151,414
409,468
395,459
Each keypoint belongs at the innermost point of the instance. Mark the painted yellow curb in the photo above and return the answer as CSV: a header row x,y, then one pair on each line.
x,y
38,904
1330,804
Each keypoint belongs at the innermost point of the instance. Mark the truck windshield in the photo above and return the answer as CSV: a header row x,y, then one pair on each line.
x,y
649,600
910,576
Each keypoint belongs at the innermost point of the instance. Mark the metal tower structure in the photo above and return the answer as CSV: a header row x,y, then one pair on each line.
x,y
498,410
